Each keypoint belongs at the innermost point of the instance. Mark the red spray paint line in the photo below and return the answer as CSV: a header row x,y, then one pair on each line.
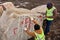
x,y
21,22
40,16
27,20
14,30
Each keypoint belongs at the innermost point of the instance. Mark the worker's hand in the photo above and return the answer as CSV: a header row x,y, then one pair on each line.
x,y
25,29
31,18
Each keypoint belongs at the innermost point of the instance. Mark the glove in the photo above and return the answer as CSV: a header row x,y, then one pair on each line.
x,y
25,28
31,18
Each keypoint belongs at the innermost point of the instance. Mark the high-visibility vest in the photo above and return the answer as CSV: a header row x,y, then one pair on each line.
x,y
50,13
39,36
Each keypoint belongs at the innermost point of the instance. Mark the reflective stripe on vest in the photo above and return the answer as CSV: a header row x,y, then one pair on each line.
x,y
39,36
50,13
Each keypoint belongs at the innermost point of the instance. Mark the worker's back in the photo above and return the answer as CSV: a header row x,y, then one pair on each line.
x,y
39,35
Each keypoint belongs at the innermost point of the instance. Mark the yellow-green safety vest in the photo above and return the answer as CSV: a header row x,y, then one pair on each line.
x,y
50,13
39,36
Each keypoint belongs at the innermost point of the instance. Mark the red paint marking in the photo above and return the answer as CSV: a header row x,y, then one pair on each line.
x,y
26,20
41,19
40,16
14,30
29,22
21,22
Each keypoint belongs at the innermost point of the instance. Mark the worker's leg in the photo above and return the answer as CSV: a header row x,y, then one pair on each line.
x,y
47,29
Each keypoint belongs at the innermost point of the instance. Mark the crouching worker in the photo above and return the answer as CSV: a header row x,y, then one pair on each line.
x,y
38,33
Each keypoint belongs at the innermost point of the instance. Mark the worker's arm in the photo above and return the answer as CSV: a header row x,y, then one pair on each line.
x,y
35,22
29,33
32,33
55,13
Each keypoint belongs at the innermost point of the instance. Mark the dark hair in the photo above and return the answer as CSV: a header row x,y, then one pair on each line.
x,y
36,27
49,5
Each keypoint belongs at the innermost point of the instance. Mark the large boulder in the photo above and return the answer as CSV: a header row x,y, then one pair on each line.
x,y
8,5
39,9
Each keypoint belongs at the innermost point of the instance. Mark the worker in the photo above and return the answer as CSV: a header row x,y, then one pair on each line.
x,y
38,33
51,14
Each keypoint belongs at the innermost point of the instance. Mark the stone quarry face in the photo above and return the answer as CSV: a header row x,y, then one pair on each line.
x,y
41,9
